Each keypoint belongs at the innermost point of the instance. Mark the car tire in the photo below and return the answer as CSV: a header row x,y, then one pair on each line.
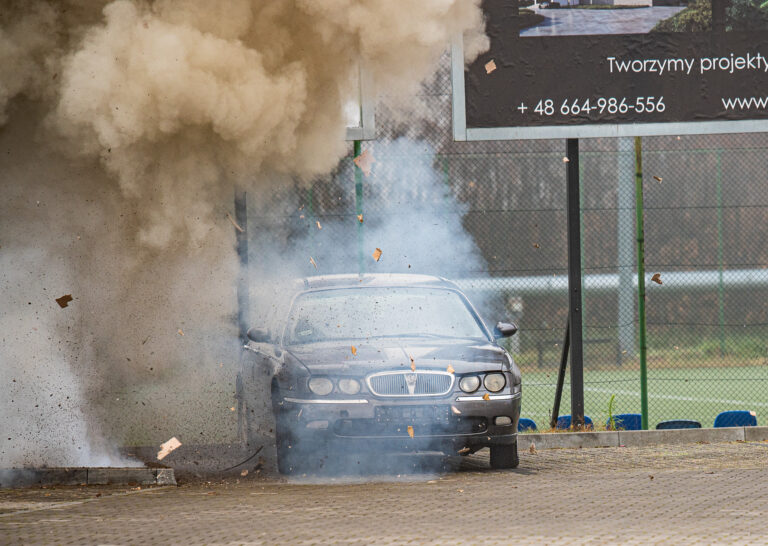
x,y
504,456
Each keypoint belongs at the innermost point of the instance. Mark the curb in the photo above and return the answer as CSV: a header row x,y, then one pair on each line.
x,y
641,438
31,477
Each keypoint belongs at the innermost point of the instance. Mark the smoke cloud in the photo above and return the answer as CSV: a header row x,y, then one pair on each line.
x,y
125,127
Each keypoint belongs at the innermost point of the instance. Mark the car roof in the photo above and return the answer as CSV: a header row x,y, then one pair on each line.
x,y
322,282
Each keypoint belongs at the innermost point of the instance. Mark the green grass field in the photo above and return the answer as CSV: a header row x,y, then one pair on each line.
x,y
673,393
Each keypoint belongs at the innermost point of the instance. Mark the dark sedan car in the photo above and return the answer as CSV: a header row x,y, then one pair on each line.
x,y
384,362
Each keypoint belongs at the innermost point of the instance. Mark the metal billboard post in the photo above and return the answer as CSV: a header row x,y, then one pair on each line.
x,y
641,281
574,284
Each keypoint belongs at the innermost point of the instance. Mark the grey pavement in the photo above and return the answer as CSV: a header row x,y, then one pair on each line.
x,y
700,493
564,22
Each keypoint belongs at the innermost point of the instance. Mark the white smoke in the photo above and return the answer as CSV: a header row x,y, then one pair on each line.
x,y
132,122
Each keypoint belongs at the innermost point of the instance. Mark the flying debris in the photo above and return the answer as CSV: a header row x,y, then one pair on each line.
x,y
657,278
237,226
63,301
167,447
377,254
365,161
490,66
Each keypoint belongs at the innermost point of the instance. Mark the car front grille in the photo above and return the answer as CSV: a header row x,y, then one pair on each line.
x,y
411,384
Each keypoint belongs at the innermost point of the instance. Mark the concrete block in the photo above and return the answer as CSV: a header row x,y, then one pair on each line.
x,y
640,438
138,475
756,434
569,440
31,477
166,476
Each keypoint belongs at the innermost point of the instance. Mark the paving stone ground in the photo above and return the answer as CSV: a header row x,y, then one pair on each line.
x,y
690,494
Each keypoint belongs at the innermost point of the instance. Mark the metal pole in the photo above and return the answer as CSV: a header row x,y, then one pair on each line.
x,y
561,377
359,211
241,237
640,230
574,284
626,247
720,287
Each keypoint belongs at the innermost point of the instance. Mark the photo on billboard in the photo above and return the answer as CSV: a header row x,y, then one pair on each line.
x,y
568,68
598,17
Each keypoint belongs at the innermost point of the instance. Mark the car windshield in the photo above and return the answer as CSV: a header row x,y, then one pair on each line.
x,y
361,313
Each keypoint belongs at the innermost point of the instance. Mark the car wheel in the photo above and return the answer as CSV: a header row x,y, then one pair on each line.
x,y
504,456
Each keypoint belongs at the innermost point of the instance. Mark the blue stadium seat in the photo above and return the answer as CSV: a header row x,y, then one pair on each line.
x,y
736,418
525,424
626,421
564,422
678,423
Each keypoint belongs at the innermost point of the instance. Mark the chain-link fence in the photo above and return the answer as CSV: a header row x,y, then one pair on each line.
x,y
706,239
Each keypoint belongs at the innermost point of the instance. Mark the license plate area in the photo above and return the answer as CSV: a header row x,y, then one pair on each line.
x,y
413,414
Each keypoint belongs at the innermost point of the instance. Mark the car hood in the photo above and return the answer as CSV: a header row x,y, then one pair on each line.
x,y
463,355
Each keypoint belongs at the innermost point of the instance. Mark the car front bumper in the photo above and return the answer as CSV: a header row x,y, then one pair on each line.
x,y
450,423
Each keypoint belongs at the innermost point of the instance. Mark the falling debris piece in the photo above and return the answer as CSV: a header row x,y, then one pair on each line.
x,y
656,278
450,369
455,410
566,160
486,397
377,254
244,473
354,350
535,245
532,448
657,179
410,431
464,450
318,225
312,261
413,365
490,66
167,447
63,301
365,161
180,332
360,218
237,226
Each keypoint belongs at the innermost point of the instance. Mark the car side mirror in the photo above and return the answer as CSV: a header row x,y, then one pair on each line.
x,y
504,329
258,334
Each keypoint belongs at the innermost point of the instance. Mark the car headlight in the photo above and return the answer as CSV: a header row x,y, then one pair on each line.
x,y
469,383
321,385
349,386
494,382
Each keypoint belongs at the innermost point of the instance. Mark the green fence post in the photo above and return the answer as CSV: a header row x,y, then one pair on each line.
x,y
640,229
359,210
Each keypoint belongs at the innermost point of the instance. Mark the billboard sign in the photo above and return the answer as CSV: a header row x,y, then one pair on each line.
x,y
589,68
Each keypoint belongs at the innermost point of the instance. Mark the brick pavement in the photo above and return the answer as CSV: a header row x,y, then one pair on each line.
x,y
704,494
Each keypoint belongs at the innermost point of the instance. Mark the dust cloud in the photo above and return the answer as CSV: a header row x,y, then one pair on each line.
x,y
125,128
